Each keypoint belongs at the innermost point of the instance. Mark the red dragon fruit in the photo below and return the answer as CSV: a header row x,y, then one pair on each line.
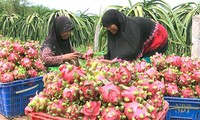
x,y
110,93
19,73
37,103
13,57
7,77
91,110
185,79
197,90
71,72
71,94
57,108
18,48
172,89
133,93
26,62
4,52
187,92
88,89
171,74
73,112
39,64
134,110
111,113
174,60
31,53
32,73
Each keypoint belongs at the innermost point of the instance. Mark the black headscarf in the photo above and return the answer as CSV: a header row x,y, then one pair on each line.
x,y
54,40
128,42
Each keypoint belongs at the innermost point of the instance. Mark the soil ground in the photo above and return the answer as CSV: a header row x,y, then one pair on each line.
x,y
16,118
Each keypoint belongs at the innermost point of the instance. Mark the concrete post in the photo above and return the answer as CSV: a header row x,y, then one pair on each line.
x,y
195,36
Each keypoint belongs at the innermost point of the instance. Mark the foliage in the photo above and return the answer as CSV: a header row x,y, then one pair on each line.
x,y
19,19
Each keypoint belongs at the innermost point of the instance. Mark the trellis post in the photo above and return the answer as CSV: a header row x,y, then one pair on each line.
x,y
195,36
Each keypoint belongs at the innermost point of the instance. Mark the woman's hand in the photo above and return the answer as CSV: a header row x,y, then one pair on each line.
x,y
71,56
109,61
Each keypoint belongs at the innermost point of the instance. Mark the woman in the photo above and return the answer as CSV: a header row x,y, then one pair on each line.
x,y
56,49
130,38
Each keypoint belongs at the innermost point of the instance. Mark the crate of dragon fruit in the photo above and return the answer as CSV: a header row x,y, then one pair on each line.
x,y
14,96
183,108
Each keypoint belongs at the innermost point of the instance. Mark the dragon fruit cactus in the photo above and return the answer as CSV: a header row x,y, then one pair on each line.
x,y
110,93
136,111
110,113
37,103
71,93
57,107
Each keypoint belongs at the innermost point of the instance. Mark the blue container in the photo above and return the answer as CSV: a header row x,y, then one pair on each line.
x,y
183,108
14,96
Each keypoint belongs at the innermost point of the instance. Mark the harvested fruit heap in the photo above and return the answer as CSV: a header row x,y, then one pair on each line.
x,y
19,61
98,91
125,90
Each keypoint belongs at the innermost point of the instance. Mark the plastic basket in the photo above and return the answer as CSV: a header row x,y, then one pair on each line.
x,y
183,108
14,96
45,116
162,114
53,68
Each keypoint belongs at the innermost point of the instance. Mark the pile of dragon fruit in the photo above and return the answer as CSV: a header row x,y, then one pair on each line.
x,y
100,91
19,61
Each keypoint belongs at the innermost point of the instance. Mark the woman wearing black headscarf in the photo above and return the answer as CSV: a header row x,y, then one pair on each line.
x,y
130,38
56,49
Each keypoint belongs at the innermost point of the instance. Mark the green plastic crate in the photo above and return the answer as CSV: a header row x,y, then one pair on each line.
x,y
53,69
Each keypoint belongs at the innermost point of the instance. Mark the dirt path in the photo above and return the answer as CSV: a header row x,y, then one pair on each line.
x,y
16,118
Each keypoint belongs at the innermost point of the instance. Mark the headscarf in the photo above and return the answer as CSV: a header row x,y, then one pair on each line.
x,y
126,43
54,40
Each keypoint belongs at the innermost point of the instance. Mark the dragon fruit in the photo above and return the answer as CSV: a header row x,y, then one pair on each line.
x,y
37,103
73,112
171,74
187,92
172,89
57,107
71,94
110,93
134,110
111,113
91,110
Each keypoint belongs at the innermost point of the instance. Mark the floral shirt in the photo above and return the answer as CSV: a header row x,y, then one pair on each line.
x,y
50,59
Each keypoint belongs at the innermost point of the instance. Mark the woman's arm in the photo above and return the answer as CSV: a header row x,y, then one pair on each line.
x,y
50,59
